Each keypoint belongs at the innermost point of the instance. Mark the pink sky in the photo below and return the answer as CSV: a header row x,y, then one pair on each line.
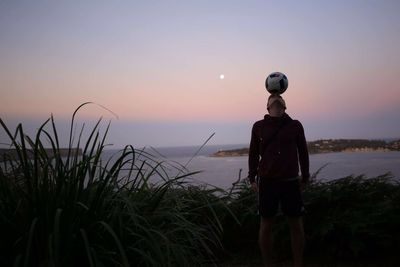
x,y
160,63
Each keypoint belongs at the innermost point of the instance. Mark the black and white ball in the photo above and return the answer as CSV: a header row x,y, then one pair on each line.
x,y
276,83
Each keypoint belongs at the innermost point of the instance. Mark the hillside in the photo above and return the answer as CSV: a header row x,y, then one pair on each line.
x,y
328,146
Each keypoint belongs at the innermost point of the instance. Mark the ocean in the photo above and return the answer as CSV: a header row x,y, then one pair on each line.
x,y
223,171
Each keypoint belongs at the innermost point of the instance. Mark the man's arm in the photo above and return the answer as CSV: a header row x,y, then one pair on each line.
x,y
253,155
303,155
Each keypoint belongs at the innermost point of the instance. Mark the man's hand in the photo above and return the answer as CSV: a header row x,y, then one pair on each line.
x,y
254,186
303,183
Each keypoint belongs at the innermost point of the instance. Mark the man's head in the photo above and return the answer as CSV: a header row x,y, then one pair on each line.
x,y
276,105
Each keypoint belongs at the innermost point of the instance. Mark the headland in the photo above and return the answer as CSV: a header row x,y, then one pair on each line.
x,y
329,146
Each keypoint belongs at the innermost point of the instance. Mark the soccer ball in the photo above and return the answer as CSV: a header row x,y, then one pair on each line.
x,y
276,83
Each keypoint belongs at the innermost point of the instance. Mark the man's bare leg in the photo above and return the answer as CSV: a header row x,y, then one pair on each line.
x,y
265,240
297,239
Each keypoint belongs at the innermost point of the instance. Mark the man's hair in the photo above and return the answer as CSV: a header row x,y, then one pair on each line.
x,y
282,101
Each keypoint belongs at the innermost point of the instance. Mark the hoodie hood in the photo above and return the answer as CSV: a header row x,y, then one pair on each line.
x,y
269,118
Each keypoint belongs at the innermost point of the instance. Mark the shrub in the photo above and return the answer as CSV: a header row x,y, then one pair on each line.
x,y
353,216
76,210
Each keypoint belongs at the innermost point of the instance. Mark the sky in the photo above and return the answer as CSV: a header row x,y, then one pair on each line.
x,y
153,68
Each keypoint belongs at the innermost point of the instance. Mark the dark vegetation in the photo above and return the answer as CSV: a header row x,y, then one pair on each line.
x,y
354,219
83,210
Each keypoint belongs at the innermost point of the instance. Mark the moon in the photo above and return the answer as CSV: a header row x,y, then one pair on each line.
x,y
222,76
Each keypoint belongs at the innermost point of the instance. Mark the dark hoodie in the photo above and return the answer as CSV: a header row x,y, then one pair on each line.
x,y
278,158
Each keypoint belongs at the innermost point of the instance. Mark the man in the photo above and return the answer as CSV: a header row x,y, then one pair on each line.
x,y
277,147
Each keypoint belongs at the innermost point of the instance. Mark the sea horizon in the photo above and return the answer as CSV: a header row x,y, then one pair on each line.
x,y
224,171
386,139
212,148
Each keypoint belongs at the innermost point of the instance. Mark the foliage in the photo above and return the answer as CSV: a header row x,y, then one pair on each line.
x,y
85,209
351,218
240,237
77,210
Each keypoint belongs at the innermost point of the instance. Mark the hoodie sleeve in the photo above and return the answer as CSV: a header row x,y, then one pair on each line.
x,y
253,154
303,154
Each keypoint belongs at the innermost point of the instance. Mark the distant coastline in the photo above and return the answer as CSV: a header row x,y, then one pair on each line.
x,y
13,154
328,146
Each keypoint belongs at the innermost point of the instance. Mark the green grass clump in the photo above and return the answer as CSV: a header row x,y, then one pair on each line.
x,y
79,210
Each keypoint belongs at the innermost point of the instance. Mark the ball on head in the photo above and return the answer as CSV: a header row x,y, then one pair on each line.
x,y
276,83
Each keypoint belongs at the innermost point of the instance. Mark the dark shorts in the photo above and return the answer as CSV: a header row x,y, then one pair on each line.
x,y
285,195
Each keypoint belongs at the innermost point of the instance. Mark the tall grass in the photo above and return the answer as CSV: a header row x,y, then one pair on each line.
x,y
83,210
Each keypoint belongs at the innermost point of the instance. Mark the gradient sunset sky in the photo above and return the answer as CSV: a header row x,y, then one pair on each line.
x,y
157,65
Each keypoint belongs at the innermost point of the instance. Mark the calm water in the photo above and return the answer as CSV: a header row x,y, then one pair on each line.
x,y
222,172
